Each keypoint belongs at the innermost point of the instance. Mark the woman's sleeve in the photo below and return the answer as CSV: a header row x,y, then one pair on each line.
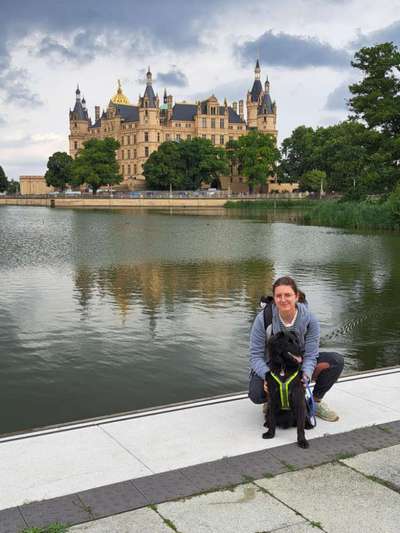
x,y
257,347
311,346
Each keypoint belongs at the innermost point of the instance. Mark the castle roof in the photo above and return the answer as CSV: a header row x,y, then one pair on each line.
x,y
119,97
184,111
129,113
256,90
265,105
149,94
79,113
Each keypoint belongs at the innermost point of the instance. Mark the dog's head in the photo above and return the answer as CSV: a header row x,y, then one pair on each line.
x,y
285,351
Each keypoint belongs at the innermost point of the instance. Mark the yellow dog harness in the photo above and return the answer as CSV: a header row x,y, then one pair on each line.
x,y
284,389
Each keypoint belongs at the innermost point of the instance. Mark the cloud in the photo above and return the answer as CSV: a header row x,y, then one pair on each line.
x,y
285,50
386,34
337,99
174,77
14,85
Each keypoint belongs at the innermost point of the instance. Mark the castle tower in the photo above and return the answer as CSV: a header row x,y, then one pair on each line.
x,y
266,112
149,121
79,123
253,97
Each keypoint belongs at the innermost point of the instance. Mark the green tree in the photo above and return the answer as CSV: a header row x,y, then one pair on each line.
x,y
312,180
297,155
164,168
13,187
59,170
185,165
3,180
96,164
257,155
376,98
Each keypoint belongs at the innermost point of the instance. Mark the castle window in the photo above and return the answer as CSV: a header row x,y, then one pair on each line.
x,y
129,154
188,124
178,136
122,169
231,127
129,170
239,127
213,110
231,137
146,104
129,139
203,122
135,169
158,137
222,123
134,139
122,154
75,125
221,139
213,139
204,136
146,113
265,119
134,153
189,137
76,145
146,136
146,151
167,137
213,122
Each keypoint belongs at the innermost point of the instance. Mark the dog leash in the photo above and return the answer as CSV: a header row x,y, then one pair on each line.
x,y
311,408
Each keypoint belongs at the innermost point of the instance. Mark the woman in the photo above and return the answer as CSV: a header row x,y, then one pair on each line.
x,y
290,312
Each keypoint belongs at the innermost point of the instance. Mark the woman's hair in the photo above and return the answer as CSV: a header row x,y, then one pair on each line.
x,y
286,280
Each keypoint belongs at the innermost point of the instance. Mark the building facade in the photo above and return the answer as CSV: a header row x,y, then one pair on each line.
x,y
141,128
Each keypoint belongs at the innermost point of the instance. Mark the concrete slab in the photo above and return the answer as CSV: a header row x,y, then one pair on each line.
x,y
380,390
338,498
383,464
305,527
140,521
246,509
62,463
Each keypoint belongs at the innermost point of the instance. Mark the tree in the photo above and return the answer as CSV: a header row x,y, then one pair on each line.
x,y
164,168
59,170
13,187
3,180
312,180
257,155
297,155
96,164
185,165
376,98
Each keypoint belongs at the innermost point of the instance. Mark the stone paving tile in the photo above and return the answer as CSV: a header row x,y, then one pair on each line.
x,y
304,527
383,464
246,509
374,438
139,521
166,486
256,465
337,497
66,510
112,499
391,427
11,521
213,475
295,457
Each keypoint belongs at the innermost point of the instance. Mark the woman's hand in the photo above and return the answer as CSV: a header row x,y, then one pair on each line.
x,y
265,387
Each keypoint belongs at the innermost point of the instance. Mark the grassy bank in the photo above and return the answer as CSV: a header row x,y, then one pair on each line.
x,y
270,204
355,215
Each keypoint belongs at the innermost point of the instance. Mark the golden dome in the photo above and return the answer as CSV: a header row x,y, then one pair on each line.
x,y
119,97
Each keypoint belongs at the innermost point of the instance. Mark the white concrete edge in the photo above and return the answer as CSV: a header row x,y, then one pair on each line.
x,y
169,408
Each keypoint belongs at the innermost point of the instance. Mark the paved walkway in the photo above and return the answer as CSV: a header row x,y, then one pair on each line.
x,y
83,472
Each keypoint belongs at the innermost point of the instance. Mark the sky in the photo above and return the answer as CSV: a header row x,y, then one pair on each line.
x,y
194,49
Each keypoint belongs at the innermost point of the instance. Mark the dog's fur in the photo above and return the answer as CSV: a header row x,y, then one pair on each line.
x,y
284,359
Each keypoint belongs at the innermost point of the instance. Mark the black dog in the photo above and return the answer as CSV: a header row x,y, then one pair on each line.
x,y
286,400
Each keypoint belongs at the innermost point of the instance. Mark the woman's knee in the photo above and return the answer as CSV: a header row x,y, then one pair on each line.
x,y
257,397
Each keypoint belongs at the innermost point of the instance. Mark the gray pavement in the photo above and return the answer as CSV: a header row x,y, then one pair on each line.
x,y
354,495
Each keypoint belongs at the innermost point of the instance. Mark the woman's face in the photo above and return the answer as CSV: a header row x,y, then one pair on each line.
x,y
285,298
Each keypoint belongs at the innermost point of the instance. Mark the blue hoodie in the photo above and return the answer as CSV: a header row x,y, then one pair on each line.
x,y
307,329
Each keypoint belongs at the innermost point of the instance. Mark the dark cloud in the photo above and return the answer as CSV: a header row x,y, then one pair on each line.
x,y
294,51
174,77
337,99
14,85
390,33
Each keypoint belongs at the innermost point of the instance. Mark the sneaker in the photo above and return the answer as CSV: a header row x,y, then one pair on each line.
x,y
323,411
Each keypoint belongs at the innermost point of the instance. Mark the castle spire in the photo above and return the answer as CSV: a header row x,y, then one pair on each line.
x,y
149,80
257,70
78,92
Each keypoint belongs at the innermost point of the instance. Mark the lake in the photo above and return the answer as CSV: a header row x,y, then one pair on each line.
x,y
105,311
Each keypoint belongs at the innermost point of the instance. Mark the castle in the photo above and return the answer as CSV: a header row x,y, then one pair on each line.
x,y
141,128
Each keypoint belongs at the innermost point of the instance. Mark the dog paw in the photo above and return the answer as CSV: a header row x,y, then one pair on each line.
x,y
303,444
268,435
